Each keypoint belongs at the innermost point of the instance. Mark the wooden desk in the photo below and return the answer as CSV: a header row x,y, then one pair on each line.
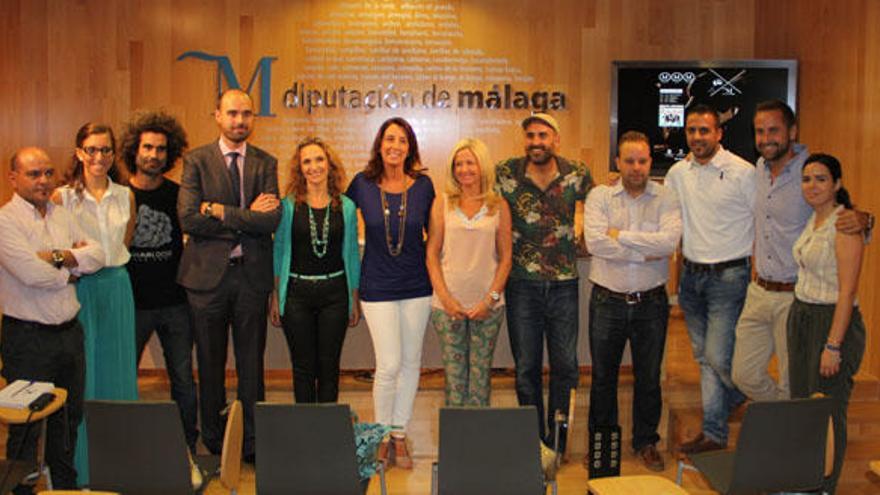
x,y
633,485
21,416
12,416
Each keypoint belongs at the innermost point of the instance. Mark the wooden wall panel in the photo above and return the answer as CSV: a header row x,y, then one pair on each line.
x,y
838,46
65,62
129,62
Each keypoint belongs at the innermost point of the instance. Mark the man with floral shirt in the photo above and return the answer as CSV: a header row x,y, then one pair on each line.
x,y
544,191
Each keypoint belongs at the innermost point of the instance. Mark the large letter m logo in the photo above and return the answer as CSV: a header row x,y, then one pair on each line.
x,y
263,70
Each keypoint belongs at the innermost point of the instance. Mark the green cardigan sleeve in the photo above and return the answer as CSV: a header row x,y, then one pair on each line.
x,y
281,251
350,251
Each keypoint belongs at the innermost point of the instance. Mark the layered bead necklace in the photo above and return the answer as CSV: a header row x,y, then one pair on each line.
x,y
319,245
397,248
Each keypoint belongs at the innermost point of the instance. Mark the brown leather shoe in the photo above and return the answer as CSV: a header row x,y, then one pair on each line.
x,y
402,458
684,447
651,458
700,444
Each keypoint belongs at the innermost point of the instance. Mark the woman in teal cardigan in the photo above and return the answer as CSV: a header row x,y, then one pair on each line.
x,y
317,270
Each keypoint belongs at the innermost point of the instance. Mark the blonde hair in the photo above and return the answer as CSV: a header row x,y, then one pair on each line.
x,y
487,174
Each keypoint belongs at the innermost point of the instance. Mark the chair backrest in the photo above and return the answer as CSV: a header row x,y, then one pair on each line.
x,y
489,450
781,446
305,448
137,448
74,492
230,459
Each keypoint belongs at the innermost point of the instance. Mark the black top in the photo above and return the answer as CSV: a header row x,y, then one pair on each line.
x,y
156,248
303,260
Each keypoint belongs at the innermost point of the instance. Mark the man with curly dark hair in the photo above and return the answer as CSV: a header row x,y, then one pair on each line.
x,y
151,145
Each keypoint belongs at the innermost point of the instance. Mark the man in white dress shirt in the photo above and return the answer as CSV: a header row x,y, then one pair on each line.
x,y
42,252
717,191
631,229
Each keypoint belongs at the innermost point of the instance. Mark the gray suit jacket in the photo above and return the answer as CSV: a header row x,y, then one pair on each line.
x,y
205,255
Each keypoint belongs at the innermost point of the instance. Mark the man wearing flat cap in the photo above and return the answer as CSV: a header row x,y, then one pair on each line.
x,y
544,191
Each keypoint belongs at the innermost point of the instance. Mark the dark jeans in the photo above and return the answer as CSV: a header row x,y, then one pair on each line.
x,y
613,321
315,321
711,302
174,328
233,302
31,351
808,327
539,310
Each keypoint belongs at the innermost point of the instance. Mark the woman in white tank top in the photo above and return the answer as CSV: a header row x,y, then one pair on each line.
x,y
469,259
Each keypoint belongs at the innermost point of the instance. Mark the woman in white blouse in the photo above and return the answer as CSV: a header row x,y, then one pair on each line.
x,y
106,212
826,335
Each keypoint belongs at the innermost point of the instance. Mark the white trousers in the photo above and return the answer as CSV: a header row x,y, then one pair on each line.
x,y
397,329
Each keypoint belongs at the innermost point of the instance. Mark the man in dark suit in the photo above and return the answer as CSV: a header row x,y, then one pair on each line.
x,y
228,205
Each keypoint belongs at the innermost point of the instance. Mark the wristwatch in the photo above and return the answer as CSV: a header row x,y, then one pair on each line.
x,y
57,258
495,296
209,210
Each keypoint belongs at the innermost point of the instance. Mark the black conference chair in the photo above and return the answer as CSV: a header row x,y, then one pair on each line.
x,y
781,447
307,449
488,450
137,448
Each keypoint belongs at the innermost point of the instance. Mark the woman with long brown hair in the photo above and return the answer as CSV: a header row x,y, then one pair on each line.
x,y
106,212
317,270
395,197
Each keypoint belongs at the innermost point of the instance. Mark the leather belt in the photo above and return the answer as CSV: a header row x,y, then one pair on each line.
x,y
714,267
67,325
633,297
238,260
775,286
323,276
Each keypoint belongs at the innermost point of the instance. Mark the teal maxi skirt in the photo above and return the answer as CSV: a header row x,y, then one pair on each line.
x,y
107,317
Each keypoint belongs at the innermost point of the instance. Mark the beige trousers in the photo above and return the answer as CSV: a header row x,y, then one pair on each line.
x,y
761,332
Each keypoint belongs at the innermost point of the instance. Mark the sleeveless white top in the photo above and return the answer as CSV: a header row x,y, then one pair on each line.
x,y
815,254
469,257
103,221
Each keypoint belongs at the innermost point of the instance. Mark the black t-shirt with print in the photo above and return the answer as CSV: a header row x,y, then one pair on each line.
x,y
156,248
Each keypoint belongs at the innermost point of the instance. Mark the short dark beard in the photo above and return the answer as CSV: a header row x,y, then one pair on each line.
x,y
231,138
142,170
549,155
710,152
779,153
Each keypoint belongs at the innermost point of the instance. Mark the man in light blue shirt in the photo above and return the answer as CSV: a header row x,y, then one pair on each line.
x,y
780,216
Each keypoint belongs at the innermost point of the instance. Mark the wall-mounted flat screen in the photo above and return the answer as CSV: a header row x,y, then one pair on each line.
x,y
653,97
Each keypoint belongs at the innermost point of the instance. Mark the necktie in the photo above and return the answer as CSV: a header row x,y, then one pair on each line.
x,y
236,178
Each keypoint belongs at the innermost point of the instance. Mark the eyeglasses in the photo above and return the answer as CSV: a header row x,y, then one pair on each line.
x,y
92,150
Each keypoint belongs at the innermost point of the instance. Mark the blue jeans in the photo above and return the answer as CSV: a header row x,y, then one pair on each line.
x,y
711,302
539,309
613,321
175,334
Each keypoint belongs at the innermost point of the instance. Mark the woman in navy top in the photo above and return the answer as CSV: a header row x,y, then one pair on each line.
x,y
395,199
